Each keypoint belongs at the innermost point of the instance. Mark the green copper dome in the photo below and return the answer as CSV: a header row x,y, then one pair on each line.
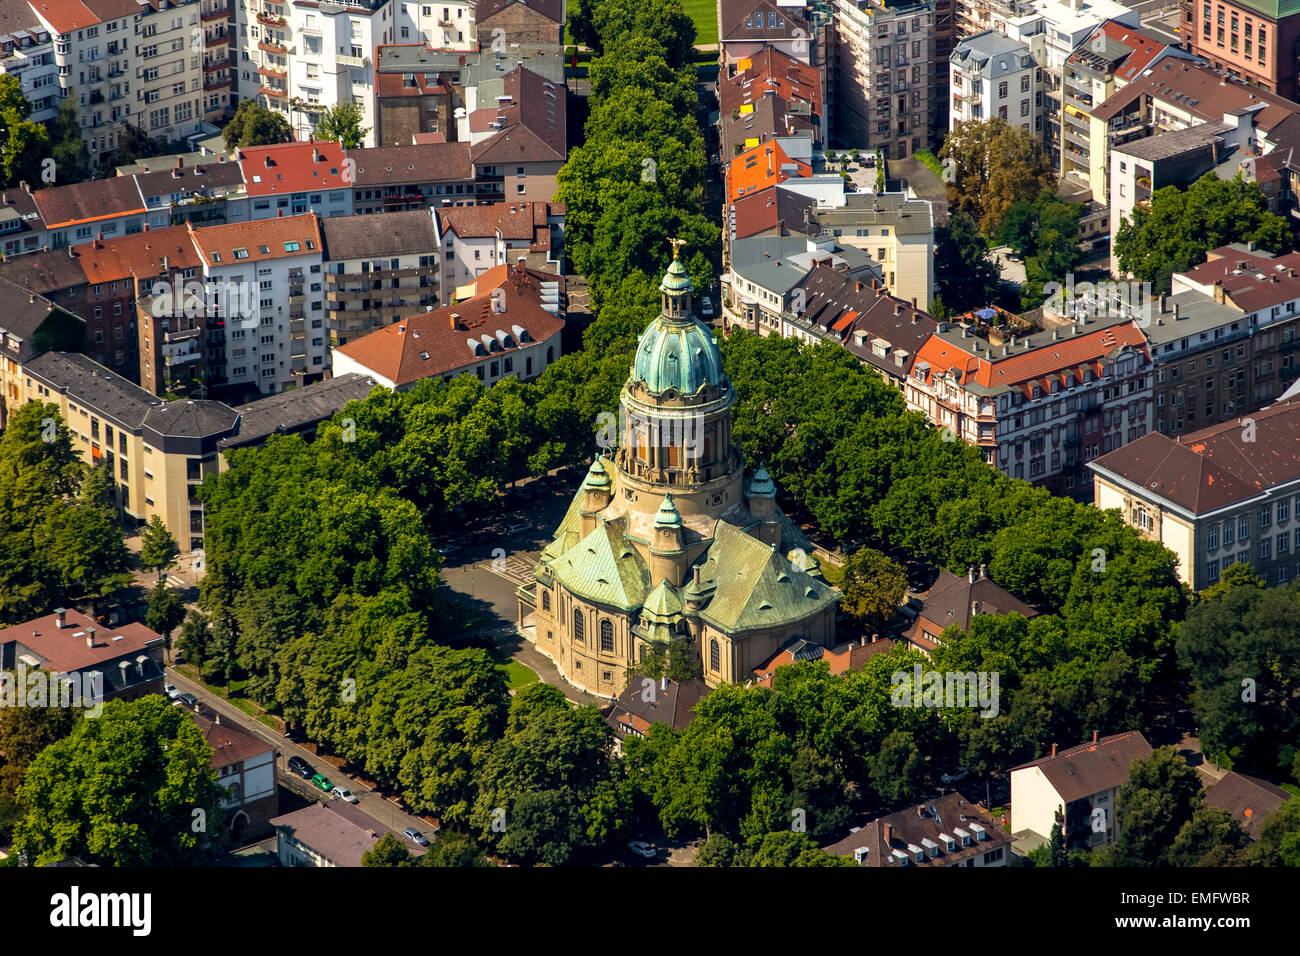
x,y
676,279
677,351
668,516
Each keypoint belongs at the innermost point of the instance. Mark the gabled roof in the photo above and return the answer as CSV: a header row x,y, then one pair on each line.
x,y
518,221
81,203
733,14
1251,280
765,119
65,650
844,657
1215,467
604,567
953,598
671,703
771,209
138,255
755,586
1127,51
1247,798
760,167
770,70
405,165
188,180
435,343
1090,768
1199,90
230,743
337,831
925,827
533,122
292,168
379,235
551,9
65,16
260,239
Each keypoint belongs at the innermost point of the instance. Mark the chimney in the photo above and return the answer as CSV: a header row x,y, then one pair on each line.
x,y
873,285
914,302
663,682
889,834
216,718
898,308
857,287
1053,750
315,155
1056,334
970,574
90,636
266,160
1094,736
279,214
915,318
61,615
984,572
145,227
974,608
165,262
1178,311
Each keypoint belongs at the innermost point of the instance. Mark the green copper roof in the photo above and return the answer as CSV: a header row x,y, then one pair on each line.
x,y
604,567
756,586
664,603
761,484
597,476
668,516
679,355
676,279
1277,9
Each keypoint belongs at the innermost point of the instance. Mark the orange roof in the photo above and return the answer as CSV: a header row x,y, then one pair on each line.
x,y
292,167
65,15
770,69
760,167
138,255
260,239
1052,359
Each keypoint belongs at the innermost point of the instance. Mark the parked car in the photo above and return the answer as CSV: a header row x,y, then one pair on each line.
x,y
961,773
171,691
322,782
706,308
189,700
415,836
344,794
519,527
449,549
641,848
301,767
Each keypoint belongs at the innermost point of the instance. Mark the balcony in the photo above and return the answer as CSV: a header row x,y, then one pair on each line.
x,y
216,65
270,20
273,47
357,61
220,13
210,86
273,91
217,39
273,72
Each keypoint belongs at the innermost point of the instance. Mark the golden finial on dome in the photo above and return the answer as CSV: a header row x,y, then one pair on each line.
x,y
676,244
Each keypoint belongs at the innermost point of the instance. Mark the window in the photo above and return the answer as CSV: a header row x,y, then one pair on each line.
x,y
715,655
1243,528
1212,570
1265,516
1265,549
606,636
577,625
546,600
1283,541
1212,539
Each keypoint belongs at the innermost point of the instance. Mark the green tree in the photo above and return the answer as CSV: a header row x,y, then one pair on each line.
x,y
133,145
134,787
1279,837
453,849
967,277
68,150
874,585
166,612
786,848
341,124
1210,828
24,733
1182,225
1162,795
255,125
24,145
717,850
387,851
897,769
158,548
994,166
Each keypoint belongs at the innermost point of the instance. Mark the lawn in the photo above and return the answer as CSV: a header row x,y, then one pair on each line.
x,y
703,12
517,675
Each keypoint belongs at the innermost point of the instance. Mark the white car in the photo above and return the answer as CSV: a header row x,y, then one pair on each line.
x,y
706,307
171,691
344,794
518,528
641,848
961,773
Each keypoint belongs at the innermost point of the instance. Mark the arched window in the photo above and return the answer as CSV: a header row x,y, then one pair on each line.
x,y
715,656
546,600
606,636
577,624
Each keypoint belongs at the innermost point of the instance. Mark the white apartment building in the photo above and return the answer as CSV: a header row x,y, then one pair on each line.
x,y
992,75
300,59
282,342
444,26
103,47
27,52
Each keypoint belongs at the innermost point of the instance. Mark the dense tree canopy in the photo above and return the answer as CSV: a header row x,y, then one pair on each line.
x,y
255,125
991,165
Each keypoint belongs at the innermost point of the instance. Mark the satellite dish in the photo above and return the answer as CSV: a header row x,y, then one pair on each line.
x,y
460,112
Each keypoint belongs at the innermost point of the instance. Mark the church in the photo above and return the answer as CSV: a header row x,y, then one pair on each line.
x,y
671,537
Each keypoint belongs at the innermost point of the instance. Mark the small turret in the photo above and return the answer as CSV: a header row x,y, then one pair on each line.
x,y
597,490
667,562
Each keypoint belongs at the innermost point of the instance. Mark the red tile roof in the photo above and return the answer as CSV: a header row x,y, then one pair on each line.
x,y
64,650
292,167
138,255
1090,768
435,343
1052,360
770,69
65,15
510,220
1250,280
1203,92
845,657
230,743
270,235
760,167
1145,49
80,203
533,122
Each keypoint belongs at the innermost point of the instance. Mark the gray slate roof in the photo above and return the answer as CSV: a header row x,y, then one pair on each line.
x,y
296,409
380,235
991,55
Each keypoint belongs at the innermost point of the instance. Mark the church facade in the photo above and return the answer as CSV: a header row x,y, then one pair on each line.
x,y
671,537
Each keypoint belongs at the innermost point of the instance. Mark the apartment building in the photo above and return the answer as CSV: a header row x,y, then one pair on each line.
x,y
516,126
511,328
802,29
765,273
157,452
1251,40
202,193
291,179
478,238
885,76
378,269
276,341
445,25
895,229
245,767
1039,406
103,47
516,22
22,230
1113,56
395,178
32,324
220,59
1053,30
27,53
417,90
993,76
1223,495
767,95
945,832
1075,789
